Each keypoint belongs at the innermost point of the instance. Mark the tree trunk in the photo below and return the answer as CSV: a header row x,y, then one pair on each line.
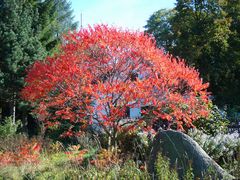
x,y
1,116
112,143
14,108
109,141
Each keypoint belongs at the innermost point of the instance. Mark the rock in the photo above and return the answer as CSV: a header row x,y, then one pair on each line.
x,y
182,150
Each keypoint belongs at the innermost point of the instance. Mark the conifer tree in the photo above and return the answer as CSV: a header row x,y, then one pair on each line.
x,y
55,19
29,30
19,48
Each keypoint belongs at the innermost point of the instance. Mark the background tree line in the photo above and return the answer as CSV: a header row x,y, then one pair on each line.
x,y
206,33
29,30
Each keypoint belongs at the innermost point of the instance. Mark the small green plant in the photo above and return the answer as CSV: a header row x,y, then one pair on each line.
x,y
9,128
164,172
189,173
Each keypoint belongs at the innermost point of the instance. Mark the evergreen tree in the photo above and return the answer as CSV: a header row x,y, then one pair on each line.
x,y
55,19
65,17
45,24
18,49
29,30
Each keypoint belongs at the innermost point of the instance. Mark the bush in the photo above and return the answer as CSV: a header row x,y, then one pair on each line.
x,y
11,143
8,128
18,150
103,71
89,140
223,148
216,122
135,145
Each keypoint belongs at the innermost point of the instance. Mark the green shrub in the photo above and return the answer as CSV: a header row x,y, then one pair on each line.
x,y
9,128
216,122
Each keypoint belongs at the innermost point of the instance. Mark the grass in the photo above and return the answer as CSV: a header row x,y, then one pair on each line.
x,y
57,166
56,161
74,162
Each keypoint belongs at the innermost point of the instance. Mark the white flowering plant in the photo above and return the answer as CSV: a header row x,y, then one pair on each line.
x,y
223,148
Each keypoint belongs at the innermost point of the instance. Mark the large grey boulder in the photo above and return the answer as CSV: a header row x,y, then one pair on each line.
x,y
181,150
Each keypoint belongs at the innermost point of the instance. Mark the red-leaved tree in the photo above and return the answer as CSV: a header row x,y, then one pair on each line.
x,y
103,71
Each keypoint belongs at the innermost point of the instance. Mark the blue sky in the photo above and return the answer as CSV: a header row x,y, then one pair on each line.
x,y
130,14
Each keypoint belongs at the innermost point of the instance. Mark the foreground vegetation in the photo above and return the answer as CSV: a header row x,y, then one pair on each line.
x,y
75,162
38,158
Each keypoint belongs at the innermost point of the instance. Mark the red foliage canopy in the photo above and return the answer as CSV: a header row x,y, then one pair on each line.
x,y
102,71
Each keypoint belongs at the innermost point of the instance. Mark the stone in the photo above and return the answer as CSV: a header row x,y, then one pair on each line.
x,y
181,150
